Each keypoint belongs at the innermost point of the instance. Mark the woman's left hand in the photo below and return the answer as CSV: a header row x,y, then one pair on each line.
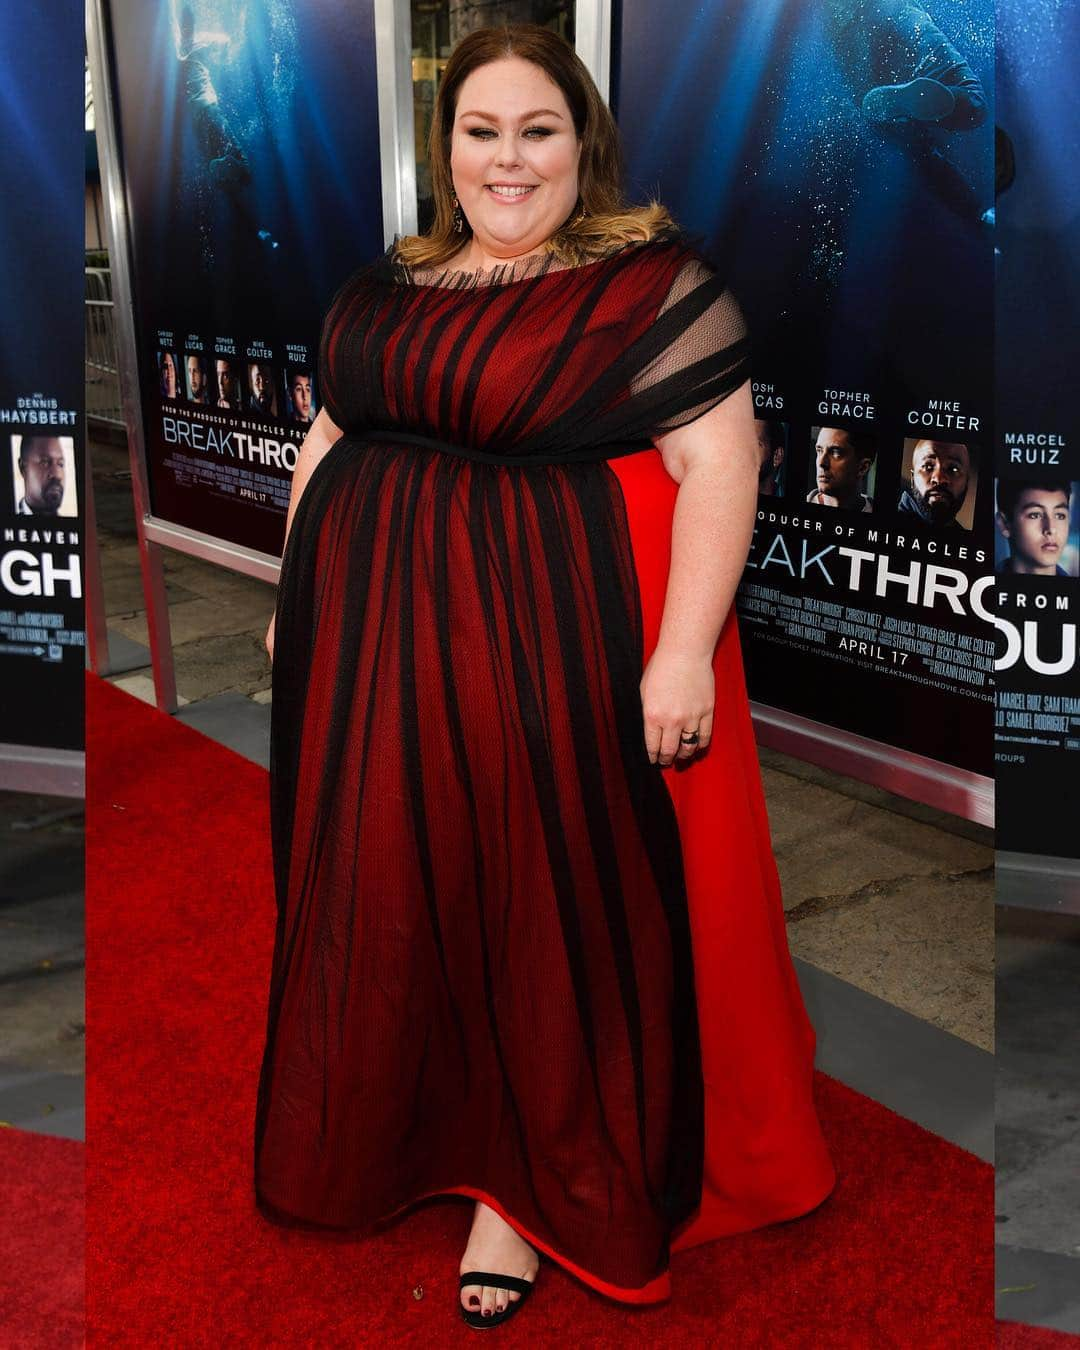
x,y
677,695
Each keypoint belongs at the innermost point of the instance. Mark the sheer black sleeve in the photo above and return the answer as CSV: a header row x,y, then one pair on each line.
x,y
695,354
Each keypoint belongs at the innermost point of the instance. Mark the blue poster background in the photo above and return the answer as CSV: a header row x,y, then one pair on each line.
x,y
858,252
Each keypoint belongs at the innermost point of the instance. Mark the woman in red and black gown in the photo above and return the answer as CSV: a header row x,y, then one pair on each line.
x,y
530,945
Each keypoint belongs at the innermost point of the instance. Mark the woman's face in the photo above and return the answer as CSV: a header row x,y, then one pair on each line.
x,y
513,130
168,371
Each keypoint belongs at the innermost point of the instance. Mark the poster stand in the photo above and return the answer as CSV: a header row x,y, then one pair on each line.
x,y
31,768
942,786
155,533
150,557
1035,881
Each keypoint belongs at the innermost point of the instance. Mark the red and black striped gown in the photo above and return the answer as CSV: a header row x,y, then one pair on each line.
x,y
515,960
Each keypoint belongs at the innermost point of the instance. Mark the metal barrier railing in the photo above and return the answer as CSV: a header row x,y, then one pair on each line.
x,y
102,377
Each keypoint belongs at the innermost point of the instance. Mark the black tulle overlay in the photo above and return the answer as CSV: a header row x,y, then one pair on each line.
x,y
482,976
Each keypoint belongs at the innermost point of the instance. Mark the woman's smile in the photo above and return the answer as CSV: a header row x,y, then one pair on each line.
x,y
508,192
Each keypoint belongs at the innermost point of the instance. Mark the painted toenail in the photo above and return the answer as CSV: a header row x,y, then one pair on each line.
x,y
474,1302
487,1312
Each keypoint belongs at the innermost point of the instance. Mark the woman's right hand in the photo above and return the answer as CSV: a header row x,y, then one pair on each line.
x,y
270,636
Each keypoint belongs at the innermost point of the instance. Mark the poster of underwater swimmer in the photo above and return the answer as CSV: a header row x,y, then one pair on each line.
x,y
836,161
249,147
42,336
1037,499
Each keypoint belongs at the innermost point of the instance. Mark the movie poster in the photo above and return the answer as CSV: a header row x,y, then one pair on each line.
x,y
42,640
1037,498
836,162
249,144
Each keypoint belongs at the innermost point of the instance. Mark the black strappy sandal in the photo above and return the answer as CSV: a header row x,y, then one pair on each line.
x,y
519,1286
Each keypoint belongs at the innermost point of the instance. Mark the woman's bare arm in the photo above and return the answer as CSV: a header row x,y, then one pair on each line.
x,y
715,462
714,459
319,439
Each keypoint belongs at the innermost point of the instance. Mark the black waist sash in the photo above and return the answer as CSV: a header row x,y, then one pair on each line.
x,y
591,454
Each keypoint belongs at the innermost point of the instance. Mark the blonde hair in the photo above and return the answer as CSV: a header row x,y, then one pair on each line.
x,y
603,219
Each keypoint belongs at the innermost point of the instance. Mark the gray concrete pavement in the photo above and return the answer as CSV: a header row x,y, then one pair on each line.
x,y
1038,1118
895,899
1038,1081
42,964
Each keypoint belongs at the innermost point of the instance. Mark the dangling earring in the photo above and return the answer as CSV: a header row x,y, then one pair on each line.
x,y
459,217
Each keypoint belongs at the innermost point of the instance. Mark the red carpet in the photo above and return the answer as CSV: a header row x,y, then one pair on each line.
x,y
179,934
41,1241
